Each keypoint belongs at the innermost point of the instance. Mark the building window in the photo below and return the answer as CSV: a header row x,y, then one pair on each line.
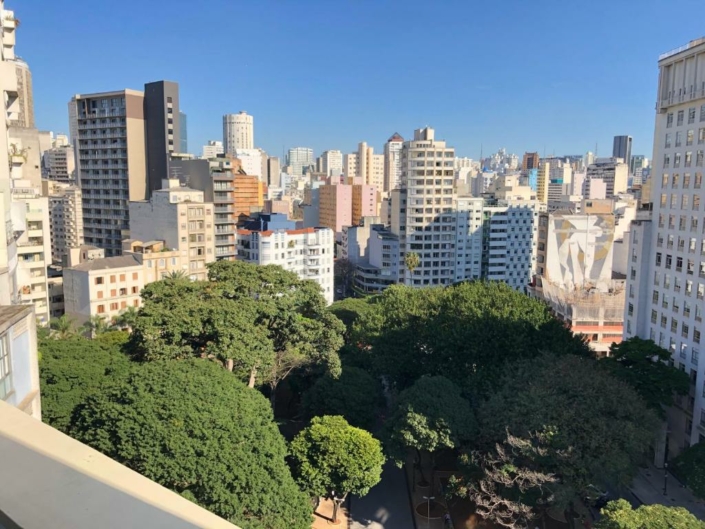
x,y
134,276
669,120
691,115
100,294
112,279
679,120
5,369
99,280
113,306
101,309
135,290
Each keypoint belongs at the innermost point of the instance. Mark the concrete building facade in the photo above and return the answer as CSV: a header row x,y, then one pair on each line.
x,y
58,164
162,129
238,132
613,171
392,162
212,149
65,217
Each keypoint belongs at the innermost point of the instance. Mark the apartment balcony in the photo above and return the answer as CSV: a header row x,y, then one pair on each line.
x,y
32,233
676,99
111,156
224,209
96,126
88,166
113,134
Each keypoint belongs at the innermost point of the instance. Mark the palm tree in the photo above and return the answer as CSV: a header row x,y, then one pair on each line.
x,y
176,274
126,319
63,327
412,262
95,325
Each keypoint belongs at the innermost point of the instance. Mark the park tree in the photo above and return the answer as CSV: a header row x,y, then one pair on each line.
x,y
333,459
411,262
194,428
62,327
468,333
71,370
504,483
619,514
429,416
95,325
356,395
343,275
126,319
600,427
689,466
644,366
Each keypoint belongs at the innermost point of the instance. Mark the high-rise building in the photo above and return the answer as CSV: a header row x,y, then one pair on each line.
x,y
543,179
183,132
251,161
613,171
666,280
335,203
273,172
331,163
422,210
162,128
622,148
238,132
58,164
65,217
180,217
108,132
392,162
589,159
213,149
299,158
530,161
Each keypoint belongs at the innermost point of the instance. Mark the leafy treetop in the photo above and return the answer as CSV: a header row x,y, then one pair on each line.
x,y
620,515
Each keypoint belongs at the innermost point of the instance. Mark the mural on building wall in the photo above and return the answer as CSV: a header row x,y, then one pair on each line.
x,y
579,252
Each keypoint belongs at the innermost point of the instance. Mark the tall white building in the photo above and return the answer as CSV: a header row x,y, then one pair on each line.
x,y
331,163
308,252
666,280
613,171
59,164
213,149
392,162
298,158
238,132
66,218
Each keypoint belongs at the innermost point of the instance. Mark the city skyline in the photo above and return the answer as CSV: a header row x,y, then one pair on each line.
x,y
500,85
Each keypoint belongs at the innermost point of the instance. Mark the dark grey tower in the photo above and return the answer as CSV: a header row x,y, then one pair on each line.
x,y
622,148
162,129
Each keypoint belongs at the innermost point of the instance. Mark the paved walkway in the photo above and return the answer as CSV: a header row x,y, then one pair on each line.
x,y
386,506
648,488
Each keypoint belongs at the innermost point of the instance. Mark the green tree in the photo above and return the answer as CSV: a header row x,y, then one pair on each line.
x,y
194,428
63,327
333,459
430,416
412,262
644,366
620,515
343,275
70,370
95,326
356,395
599,427
689,466
468,333
126,319
504,484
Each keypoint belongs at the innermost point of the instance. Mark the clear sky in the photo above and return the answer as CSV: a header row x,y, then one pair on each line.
x,y
557,76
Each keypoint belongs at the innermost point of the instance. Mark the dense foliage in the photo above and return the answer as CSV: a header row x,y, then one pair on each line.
x,y
261,321
333,459
430,416
689,466
74,368
620,515
468,333
597,429
194,428
644,365
356,395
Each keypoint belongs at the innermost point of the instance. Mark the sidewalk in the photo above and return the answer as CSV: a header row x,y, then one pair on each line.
x,y
648,488
386,506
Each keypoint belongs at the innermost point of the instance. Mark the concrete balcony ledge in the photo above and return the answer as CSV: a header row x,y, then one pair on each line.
x,y
54,481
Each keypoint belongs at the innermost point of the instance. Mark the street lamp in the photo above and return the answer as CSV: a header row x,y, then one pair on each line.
x,y
428,511
665,478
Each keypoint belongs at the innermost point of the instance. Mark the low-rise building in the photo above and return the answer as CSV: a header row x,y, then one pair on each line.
x,y
307,252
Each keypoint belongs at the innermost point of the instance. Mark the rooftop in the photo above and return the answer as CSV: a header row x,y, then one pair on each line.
x,y
685,47
11,314
107,263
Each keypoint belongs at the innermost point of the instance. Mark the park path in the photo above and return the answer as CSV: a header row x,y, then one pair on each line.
x,y
386,506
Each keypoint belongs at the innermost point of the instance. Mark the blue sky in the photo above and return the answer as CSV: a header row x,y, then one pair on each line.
x,y
556,76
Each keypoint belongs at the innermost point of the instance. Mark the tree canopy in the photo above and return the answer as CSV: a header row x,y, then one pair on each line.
x,y
260,321
597,429
620,515
468,333
356,395
644,366
194,428
689,466
72,369
430,415
332,458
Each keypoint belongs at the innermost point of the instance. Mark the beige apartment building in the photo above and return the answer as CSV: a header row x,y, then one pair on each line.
x,y
107,286
65,218
180,217
108,131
